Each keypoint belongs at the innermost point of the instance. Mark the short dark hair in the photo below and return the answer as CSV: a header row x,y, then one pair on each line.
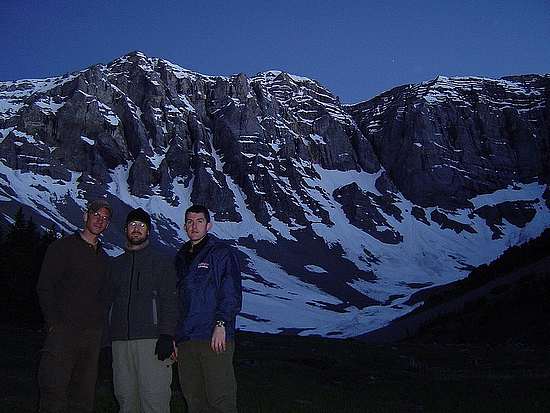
x,y
96,204
198,209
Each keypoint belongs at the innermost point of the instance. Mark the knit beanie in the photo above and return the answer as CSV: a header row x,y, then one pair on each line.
x,y
139,215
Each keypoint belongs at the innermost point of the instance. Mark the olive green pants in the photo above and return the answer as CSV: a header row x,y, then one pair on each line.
x,y
68,370
207,379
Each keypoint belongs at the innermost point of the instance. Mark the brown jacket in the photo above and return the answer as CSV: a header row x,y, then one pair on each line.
x,y
72,287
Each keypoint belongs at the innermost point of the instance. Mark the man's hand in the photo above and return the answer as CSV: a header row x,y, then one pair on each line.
x,y
218,339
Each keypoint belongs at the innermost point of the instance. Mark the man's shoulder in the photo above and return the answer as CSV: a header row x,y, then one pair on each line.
x,y
66,241
160,255
120,257
220,246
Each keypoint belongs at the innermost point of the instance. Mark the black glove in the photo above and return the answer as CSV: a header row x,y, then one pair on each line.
x,y
164,347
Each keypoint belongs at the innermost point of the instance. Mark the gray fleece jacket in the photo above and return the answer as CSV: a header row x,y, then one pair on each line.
x,y
143,291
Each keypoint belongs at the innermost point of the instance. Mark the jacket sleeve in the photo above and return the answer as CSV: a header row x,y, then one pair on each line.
x,y
229,296
51,273
168,305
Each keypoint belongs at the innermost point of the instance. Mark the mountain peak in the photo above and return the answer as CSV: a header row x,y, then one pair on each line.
x,y
339,213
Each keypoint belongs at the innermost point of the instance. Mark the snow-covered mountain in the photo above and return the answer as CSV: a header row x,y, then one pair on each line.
x,y
340,212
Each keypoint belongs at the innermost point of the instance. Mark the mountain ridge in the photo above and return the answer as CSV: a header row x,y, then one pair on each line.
x,y
339,211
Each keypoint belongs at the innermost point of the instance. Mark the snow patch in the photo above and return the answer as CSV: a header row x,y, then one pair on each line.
x,y
316,269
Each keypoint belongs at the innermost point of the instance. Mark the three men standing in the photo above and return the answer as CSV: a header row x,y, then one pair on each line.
x,y
142,321
72,289
210,292
76,288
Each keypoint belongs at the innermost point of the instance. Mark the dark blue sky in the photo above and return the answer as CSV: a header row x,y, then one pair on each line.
x,y
355,48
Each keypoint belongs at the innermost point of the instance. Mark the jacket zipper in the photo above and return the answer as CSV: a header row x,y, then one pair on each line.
x,y
155,312
130,293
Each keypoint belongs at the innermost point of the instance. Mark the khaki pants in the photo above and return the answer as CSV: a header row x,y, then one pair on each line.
x,y
207,379
68,370
141,380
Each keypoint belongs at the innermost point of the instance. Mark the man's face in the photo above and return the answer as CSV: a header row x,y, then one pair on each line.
x,y
196,226
137,232
98,221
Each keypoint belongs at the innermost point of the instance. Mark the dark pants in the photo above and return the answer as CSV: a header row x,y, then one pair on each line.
x,y
68,370
207,379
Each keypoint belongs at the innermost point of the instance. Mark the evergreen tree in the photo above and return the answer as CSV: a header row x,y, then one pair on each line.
x,y
12,257
24,248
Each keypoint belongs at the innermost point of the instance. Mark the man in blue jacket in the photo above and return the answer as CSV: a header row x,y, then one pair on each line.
x,y
210,293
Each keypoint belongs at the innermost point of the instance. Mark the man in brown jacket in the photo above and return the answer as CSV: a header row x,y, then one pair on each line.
x,y
73,296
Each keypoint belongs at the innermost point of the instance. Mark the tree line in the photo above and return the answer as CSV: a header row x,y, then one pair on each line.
x,y
511,259
23,245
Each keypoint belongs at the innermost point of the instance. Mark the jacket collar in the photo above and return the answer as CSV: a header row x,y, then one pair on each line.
x,y
97,247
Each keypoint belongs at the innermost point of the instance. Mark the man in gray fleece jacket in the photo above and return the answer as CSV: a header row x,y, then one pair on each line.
x,y
142,321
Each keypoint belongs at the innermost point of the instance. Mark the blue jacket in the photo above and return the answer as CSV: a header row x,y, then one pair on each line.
x,y
209,290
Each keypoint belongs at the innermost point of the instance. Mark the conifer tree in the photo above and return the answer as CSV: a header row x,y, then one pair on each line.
x,y
23,249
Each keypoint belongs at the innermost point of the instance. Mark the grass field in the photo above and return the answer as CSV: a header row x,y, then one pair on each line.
x,y
301,374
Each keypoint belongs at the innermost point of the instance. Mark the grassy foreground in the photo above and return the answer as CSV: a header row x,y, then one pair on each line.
x,y
301,374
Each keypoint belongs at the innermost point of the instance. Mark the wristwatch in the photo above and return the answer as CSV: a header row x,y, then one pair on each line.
x,y
220,323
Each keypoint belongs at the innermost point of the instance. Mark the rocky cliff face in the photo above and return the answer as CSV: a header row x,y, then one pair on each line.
x,y
339,212
445,141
